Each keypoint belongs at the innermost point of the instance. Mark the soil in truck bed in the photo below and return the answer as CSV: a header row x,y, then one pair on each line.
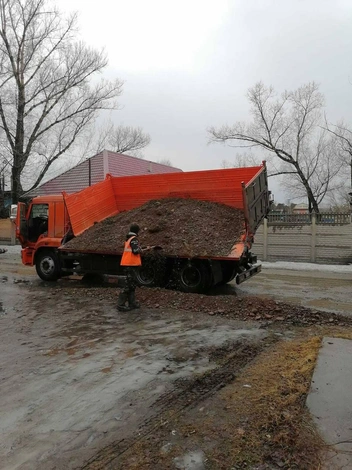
x,y
182,227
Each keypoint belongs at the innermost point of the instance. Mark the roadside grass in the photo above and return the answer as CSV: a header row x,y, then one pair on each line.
x,y
268,399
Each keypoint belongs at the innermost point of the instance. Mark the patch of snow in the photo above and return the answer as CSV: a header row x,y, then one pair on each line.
x,y
12,248
295,266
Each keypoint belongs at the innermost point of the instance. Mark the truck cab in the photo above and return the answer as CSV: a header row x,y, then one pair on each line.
x,y
41,225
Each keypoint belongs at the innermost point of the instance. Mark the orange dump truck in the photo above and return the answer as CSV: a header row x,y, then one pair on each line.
x,y
43,222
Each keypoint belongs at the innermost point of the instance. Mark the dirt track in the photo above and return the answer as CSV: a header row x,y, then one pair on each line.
x,y
83,386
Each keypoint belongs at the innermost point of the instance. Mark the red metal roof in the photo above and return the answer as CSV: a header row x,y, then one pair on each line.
x,y
124,165
94,170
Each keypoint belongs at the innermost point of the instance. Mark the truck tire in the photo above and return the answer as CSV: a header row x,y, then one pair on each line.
x,y
47,265
152,272
193,277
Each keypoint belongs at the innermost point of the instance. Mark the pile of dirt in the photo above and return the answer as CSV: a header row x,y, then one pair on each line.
x,y
182,227
251,308
241,308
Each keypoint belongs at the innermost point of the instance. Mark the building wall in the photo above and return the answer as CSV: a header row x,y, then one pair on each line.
x,y
311,242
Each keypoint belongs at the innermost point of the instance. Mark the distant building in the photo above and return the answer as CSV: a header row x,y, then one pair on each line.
x,y
95,169
300,209
278,209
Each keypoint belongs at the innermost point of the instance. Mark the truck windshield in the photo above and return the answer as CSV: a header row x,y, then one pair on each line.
x,y
38,221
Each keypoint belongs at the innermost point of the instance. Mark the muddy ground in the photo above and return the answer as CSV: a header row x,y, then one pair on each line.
x,y
83,386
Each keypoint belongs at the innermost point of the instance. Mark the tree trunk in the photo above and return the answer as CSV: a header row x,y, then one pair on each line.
x,y
19,159
313,205
2,196
16,187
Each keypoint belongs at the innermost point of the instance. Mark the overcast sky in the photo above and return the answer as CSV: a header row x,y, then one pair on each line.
x,y
187,64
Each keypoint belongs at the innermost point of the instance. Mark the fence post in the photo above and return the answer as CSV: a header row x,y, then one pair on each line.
x,y
265,240
313,237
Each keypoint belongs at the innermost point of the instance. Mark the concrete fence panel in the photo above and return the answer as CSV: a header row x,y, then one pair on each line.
x,y
324,239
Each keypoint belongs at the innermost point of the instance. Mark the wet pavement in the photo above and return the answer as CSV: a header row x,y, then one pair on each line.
x,y
76,376
330,401
326,291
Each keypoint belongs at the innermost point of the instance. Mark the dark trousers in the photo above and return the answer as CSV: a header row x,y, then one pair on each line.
x,y
128,292
131,282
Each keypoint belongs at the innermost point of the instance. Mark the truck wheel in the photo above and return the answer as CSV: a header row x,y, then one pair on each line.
x,y
152,273
47,265
193,277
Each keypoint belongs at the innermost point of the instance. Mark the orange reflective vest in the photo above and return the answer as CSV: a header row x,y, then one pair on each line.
x,y
128,257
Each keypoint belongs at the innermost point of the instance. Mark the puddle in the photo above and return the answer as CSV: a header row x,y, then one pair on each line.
x,y
191,461
2,310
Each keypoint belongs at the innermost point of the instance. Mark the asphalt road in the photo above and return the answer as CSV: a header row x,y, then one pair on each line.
x,y
328,291
75,376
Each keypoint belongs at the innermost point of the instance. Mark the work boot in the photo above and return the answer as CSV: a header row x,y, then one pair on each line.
x,y
123,308
132,303
121,302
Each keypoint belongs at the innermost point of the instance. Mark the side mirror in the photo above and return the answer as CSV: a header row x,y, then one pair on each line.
x,y
13,212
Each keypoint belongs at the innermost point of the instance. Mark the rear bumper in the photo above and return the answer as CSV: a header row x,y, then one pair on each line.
x,y
248,273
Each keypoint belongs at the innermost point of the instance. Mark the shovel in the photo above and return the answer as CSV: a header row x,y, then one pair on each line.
x,y
154,247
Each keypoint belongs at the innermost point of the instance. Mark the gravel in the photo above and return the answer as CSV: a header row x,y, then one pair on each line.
x,y
253,308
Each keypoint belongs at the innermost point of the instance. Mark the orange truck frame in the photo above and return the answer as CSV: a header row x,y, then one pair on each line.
x,y
44,222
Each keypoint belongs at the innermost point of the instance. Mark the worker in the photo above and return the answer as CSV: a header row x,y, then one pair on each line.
x,y
2,251
131,260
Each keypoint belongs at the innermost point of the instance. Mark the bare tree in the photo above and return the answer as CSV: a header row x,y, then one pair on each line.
x,y
321,165
93,140
46,95
344,137
289,128
242,160
165,161
121,139
4,166
4,169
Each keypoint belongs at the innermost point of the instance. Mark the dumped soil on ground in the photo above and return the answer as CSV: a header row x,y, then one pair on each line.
x,y
253,308
242,308
182,227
